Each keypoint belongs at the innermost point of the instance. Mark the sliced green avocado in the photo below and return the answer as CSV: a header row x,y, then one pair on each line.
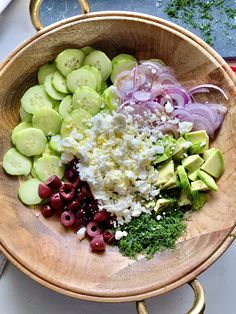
x,y
162,203
214,165
199,185
193,175
198,199
171,148
165,173
184,179
208,180
196,148
196,137
183,199
150,204
208,153
184,146
171,183
192,162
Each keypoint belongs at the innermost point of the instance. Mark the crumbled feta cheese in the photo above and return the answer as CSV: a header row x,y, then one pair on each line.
x,y
168,107
159,217
120,234
203,143
186,144
185,127
81,233
163,118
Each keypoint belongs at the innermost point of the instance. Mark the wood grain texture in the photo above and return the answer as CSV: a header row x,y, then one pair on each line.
x,y
53,256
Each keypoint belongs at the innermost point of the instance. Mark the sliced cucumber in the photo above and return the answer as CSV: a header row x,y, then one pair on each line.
x,y
81,77
78,120
30,142
21,126
87,99
123,56
25,116
47,165
28,192
65,107
99,60
44,71
33,173
59,83
97,75
86,50
121,66
55,144
56,106
47,120
104,85
51,91
35,98
69,60
110,98
16,164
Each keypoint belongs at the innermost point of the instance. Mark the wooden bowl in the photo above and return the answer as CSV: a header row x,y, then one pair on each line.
x,y
54,257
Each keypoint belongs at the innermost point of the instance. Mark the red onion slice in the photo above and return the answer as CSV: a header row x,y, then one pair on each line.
x,y
206,86
168,128
142,96
182,114
201,123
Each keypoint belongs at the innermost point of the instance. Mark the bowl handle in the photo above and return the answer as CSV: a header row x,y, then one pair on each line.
x,y
35,8
198,305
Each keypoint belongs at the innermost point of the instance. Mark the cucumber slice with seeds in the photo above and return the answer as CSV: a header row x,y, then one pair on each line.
x,y
86,50
16,164
69,60
123,56
28,192
56,106
110,98
35,98
55,144
78,120
25,116
21,126
59,83
81,77
51,91
97,75
121,66
30,142
47,120
44,71
65,107
87,99
99,60
47,165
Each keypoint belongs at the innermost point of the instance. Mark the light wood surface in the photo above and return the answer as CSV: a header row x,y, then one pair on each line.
x,y
54,257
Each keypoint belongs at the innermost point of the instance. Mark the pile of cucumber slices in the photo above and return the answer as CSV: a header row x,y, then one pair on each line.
x,y
70,91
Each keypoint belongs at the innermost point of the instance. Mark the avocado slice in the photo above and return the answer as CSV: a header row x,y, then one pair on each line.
x,y
163,203
181,142
183,199
150,204
214,165
196,137
208,180
192,162
196,147
199,185
171,148
198,199
166,173
184,179
193,175
208,153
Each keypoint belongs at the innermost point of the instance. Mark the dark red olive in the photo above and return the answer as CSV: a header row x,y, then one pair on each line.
x,y
67,191
74,206
93,229
57,201
78,224
44,191
80,197
109,236
47,211
101,216
67,219
86,191
53,182
98,244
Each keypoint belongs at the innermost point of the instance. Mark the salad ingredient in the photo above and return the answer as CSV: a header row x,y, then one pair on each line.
x,y
93,229
28,192
208,180
101,216
121,66
98,243
47,166
65,107
74,206
53,182
192,163
44,71
47,120
35,98
193,175
199,185
30,142
214,164
109,236
59,82
184,179
18,128
51,91
25,116
16,164
54,145
67,218
87,99
47,211
69,60
57,201
147,235
81,233
81,77
99,60
87,50
44,191
97,75
67,191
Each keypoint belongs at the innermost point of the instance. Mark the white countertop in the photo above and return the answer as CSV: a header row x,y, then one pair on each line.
x,y
21,295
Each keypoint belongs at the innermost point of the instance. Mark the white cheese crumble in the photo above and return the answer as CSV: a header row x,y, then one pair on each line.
x,y
185,127
159,217
81,233
186,144
120,234
168,107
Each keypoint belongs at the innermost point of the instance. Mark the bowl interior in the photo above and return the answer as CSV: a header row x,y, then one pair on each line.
x,y
55,257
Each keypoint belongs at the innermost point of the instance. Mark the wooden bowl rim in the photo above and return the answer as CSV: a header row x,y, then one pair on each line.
x,y
231,234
